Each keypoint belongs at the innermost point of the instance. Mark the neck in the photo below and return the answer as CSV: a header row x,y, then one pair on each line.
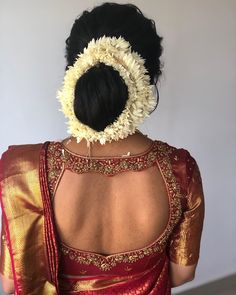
x,y
134,143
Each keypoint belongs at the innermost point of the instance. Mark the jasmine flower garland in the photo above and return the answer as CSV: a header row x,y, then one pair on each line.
x,y
115,52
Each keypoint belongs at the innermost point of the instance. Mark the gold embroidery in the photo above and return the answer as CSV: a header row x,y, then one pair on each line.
x,y
106,263
57,156
159,155
109,167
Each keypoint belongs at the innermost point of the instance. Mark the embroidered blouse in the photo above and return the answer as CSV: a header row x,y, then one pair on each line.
x,y
145,270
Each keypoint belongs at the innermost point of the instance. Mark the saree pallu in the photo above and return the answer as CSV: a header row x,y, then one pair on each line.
x,y
33,256
28,228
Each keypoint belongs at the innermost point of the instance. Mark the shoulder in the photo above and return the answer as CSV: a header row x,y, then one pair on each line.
x,y
177,154
182,162
19,158
20,151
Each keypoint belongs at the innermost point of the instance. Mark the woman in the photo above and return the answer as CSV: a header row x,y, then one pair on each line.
x,y
107,210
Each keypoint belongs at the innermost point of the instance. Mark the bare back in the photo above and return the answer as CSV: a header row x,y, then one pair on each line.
x,y
109,215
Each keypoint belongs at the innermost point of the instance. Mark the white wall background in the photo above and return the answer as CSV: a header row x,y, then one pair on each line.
x,y
197,96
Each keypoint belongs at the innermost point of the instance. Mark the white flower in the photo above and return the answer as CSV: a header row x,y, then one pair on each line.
x,y
117,53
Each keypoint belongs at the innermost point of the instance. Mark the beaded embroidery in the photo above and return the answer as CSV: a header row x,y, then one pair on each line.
x,y
110,166
59,158
159,155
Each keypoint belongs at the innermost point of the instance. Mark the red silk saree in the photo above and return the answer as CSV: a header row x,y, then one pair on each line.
x,y
32,253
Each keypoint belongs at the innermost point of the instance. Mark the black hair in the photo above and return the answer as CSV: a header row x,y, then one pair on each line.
x,y
101,93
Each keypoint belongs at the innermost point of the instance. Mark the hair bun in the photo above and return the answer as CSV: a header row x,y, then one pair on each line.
x,y
100,96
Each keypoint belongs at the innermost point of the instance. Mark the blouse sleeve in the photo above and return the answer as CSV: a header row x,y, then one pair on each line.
x,y
185,241
5,259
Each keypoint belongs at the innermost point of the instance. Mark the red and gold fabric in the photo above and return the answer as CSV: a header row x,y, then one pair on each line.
x,y
26,221
32,253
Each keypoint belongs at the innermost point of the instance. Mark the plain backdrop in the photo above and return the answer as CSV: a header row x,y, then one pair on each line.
x,y
197,96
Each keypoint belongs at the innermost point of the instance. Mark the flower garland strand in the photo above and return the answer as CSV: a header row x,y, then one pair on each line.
x,y
115,52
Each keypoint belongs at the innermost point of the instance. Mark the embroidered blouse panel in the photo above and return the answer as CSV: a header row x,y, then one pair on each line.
x,y
59,158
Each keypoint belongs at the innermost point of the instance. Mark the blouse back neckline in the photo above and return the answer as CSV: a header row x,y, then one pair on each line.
x,y
149,149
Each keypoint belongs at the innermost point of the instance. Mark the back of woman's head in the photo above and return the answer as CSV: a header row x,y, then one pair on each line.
x,y
101,93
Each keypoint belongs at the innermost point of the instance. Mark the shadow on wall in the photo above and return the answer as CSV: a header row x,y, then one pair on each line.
x,y
225,286
1,291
